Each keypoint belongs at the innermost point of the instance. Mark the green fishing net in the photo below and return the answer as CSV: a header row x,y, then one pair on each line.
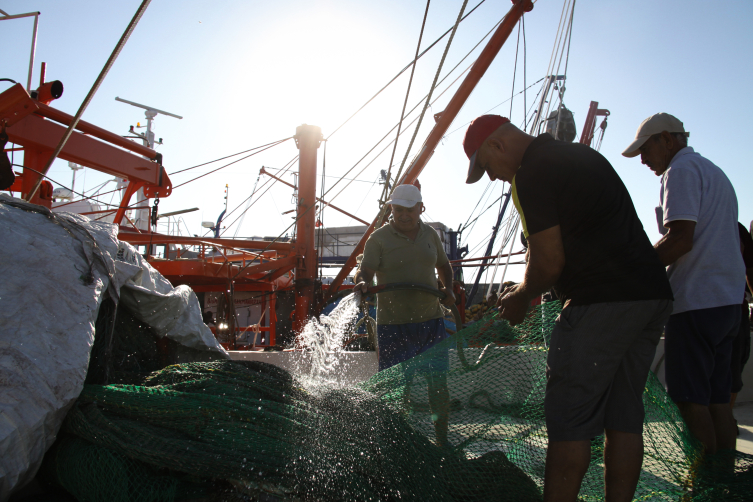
x,y
250,431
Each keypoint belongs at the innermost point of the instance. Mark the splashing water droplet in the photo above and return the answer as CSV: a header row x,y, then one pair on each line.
x,y
324,339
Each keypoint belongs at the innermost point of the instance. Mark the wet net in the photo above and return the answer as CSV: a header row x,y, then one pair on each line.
x,y
463,421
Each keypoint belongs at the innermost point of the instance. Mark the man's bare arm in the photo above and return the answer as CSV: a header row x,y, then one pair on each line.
x,y
363,278
445,275
545,264
677,242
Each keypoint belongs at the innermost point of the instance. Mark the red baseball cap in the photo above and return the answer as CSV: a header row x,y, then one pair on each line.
x,y
480,129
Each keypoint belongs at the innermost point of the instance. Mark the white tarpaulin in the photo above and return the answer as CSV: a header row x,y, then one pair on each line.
x,y
56,269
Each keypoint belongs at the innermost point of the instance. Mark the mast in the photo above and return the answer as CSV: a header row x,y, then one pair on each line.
x,y
587,135
446,118
307,138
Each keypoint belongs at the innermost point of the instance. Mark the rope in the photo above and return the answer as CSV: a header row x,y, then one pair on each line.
x,y
412,122
373,184
405,103
83,197
321,211
372,160
418,103
477,204
560,42
62,186
515,70
494,107
485,210
102,74
231,163
272,180
402,71
328,176
525,68
428,98
228,156
473,225
243,214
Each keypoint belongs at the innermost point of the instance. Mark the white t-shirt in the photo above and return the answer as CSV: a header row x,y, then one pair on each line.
x,y
712,274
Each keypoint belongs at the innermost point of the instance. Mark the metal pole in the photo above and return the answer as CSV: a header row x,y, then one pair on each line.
x,y
307,138
111,60
327,204
489,248
498,258
482,64
33,51
587,134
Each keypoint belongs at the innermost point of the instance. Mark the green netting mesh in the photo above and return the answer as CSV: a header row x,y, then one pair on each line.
x,y
255,431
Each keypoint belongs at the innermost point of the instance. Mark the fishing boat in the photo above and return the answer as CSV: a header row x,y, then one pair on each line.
x,y
263,291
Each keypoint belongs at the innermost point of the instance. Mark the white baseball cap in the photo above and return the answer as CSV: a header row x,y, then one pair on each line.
x,y
655,124
405,195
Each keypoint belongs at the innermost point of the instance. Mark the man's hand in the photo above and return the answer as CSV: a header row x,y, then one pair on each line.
x,y
362,287
513,305
363,278
449,298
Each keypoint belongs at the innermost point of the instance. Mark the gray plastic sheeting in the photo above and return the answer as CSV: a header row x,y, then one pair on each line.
x,y
55,270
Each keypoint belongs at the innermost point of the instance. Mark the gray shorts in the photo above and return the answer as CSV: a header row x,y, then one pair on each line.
x,y
598,364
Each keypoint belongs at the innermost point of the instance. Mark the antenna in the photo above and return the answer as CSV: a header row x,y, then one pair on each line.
x,y
150,113
145,107
148,139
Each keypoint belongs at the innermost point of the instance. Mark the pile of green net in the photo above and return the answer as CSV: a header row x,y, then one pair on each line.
x,y
250,431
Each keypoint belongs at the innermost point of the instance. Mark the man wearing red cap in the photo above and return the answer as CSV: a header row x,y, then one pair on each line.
x,y
585,240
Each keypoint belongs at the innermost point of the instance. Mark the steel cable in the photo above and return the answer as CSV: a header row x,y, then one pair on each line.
x,y
405,102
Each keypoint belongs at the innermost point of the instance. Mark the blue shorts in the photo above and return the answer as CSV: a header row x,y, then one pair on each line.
x,y
698,349
400,342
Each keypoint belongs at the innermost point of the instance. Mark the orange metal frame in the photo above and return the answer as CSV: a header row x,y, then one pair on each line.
x,y
446,118
36,126
590,126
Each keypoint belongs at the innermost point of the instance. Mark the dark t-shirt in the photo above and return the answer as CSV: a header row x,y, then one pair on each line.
x,y
608,257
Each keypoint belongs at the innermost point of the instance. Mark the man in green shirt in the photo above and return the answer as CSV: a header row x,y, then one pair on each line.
x,y
410,322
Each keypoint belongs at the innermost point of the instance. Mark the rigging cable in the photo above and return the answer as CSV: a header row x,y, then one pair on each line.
x,y
525,68
100,78
86,197
559,47
228,156
493,107
322,205
83,197
388,144
477,204
402,71
515,70
273,181
421,100
562,88
242,216
473,224
231,163
431,91
405,102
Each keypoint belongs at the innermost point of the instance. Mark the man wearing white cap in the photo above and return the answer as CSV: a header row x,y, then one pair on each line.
x,y
410,322
707,274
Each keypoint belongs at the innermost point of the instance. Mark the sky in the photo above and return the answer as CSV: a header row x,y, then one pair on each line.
x,y
244,74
